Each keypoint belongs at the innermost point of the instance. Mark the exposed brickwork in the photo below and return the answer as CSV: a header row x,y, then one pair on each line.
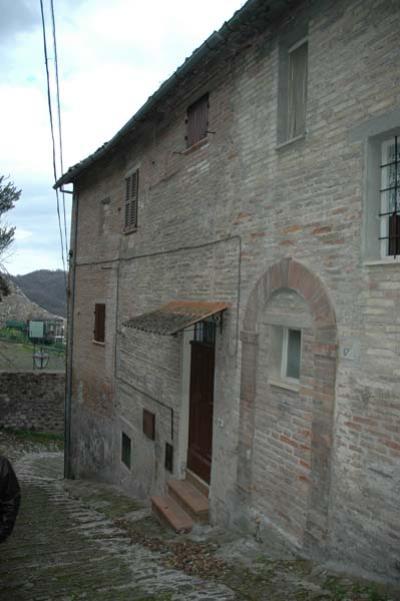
x,y
291,428
32,401
212,223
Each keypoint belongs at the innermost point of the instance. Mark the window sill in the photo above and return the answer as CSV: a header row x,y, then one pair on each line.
x,y
387,261
286,385
291,141
98,343
196,145
130,230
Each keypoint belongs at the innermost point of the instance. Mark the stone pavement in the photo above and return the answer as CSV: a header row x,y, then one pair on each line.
x,y
84,540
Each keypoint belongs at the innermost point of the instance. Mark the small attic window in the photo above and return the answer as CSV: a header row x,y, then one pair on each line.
x,y
197,121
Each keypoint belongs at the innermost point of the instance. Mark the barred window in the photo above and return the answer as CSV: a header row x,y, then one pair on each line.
x,y
390,198
197,121
131,200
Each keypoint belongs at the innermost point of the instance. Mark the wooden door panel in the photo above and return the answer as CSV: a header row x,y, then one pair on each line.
x,y
201,409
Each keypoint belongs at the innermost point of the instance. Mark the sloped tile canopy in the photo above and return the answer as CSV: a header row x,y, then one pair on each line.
x,y
175,316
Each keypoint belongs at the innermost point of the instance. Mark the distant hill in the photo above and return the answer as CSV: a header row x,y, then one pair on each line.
x,y
16,306
46,288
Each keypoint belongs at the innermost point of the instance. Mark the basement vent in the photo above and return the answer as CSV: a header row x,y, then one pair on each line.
x,y
126,450
149,424
169,457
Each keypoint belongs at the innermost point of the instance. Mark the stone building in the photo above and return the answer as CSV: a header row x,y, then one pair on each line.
x,y
235,283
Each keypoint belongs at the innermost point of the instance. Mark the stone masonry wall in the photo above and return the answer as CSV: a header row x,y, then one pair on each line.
x,y
213,221
32,401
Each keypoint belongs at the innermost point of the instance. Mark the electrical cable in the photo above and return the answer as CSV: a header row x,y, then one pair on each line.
x,y
52,137
59,119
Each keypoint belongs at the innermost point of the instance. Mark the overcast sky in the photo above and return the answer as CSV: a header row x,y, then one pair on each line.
x,y
112,56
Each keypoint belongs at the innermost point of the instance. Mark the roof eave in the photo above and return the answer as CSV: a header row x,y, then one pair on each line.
x,y
211,44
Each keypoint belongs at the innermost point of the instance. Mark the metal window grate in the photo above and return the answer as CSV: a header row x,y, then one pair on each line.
x,y
131,200
204,331
390,197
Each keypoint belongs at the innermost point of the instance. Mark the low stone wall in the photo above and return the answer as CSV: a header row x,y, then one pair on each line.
x,y
32,401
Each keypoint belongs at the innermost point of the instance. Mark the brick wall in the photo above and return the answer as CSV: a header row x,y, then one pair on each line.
x,y
221,223
32,401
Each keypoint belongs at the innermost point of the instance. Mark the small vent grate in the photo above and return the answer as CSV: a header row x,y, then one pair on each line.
x,y
126,450
169,457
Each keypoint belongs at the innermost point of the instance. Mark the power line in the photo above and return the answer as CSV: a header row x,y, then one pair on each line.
x,y
52,135
59,119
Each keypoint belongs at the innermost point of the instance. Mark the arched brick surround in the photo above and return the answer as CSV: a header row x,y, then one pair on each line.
x,y
289,274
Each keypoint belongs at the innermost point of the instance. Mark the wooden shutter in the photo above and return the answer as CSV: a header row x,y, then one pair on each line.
x,y
99,322
197,121
131,199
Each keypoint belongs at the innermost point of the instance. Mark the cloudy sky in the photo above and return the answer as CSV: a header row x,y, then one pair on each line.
x,y
112,55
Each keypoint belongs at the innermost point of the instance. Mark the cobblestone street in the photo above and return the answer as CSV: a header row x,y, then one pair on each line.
x,y
82,540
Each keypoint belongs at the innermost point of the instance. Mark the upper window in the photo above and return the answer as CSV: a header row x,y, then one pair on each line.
x,y
390,197
297,90
292,90
197,121
131,200
99,322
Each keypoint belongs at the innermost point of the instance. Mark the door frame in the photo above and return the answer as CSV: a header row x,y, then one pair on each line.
x,y
200,458
181,452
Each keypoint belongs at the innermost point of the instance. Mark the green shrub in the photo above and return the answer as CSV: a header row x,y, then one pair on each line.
x,y
12,334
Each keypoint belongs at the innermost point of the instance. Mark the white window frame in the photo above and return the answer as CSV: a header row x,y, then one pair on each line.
x,y
374,134
285,352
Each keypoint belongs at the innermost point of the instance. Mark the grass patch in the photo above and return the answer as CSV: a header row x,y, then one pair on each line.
x,y
18,355
34,436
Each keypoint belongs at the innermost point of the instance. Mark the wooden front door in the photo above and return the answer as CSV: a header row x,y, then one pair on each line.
x,y
201,409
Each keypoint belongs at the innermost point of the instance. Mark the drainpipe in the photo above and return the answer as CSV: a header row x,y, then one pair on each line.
x,y
68,473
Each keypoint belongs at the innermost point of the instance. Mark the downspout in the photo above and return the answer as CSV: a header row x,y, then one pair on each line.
x,y
68,473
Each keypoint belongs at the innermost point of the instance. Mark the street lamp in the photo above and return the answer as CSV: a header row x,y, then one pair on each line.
x,y
40,359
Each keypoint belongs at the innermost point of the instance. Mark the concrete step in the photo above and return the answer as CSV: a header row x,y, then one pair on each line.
x,y
171,514
194,502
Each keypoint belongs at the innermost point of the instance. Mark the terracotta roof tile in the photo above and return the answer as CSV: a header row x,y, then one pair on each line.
x,y
175,316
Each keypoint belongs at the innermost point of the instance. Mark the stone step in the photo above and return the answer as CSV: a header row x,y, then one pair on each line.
x,y
190,499
197,482
171,514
